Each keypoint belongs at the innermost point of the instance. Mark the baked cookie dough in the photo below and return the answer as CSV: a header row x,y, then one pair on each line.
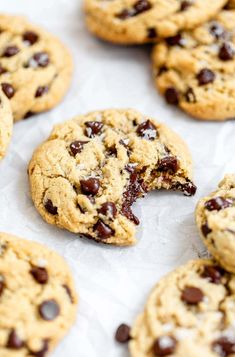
x,y
141,21
6,123
189,313
38,302
35,67
195,69
91,169
215,216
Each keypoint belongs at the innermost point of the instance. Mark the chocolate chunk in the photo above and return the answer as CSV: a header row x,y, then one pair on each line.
x,y
190,95
217,30
172,96
8,90
168,163
218,203
176,40
2,70
43,351
90,186
49,310
164,346
69,293
205,229
50,207
77,146
213,273
1,287
188,188
108,209
41,91
147,130
151,32
14,342
30,38
224,346
40,275
122,334
192,295
185,5
205,76
10,51
142,6
103,230
226,52
93,128
39,59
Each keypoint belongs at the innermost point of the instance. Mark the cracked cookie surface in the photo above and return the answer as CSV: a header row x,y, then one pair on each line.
x,y
195,70
38,302
142,21
215,216
89,172
35,67
190,312
6,123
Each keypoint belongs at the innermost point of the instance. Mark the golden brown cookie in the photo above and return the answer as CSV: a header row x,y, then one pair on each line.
x,y
6,123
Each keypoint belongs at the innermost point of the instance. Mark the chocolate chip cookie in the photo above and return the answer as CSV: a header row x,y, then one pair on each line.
x,y
189,313
195,70
35,67
91,170
215,216
37,298
6,123
141,21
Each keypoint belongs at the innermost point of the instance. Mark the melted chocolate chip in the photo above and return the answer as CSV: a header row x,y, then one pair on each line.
x,y
141,6
125,14
168,163
224,346
2,70
176,40
103,230
192,295
10,51
172,96
40,275
213,273
190,96
147,130
41,91
122,334
50,207
185,5
1,287
205,229
69,293
151,33
77,146
43,351
90,186
14,342
8,90
226,52
30,38
205,76
49,310
218,203
108,209
39,59
164,346
93,128
188,188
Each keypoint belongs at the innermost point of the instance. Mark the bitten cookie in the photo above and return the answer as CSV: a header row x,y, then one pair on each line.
x,y
89,172
37,298
6,123
141,21
215,216
195,70
190,312
35,67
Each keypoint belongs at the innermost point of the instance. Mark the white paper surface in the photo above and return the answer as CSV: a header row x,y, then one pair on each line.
x,y
113,283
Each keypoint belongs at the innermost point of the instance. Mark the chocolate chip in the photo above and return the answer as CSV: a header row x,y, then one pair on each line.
x,y
8,90
90,186
192,295
168,163
50,207
30,38
40,275
49,310
10,51
176,40
172,96
14,342
205,229
142,6
226,52
190,96
185,5
1,287
122,334
77,146
108,209
147,130
164,346
39,59
103,230
93,128
205,76
29,115
224,346
151,33
218,203
2,70
213,273
217,30
69,293
125,14
188,188
162,70
41,91
42,352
